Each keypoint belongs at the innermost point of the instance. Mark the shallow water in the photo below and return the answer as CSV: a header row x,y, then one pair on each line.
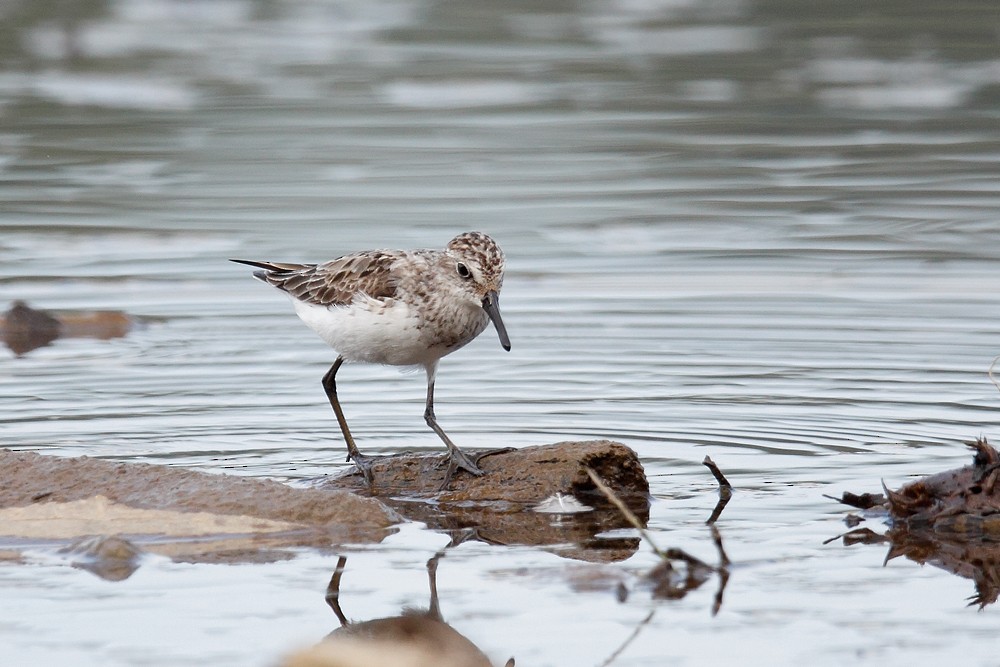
x,y
732,228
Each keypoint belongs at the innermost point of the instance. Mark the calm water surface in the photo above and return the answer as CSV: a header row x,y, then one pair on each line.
x,y
732,228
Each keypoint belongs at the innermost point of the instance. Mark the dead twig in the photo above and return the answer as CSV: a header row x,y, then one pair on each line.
x,y
861,501
724,484
725,490
697,570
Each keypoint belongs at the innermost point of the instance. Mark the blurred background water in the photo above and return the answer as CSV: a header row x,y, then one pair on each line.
x,y
761,230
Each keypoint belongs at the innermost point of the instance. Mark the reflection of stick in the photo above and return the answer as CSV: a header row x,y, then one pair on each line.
x,y
631,638
693,564
990,372
722,570
623,508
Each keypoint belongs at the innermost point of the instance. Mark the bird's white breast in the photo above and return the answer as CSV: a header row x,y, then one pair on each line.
x,y
372,331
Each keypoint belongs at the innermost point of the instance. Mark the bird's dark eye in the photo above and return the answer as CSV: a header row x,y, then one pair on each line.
x,y
463,270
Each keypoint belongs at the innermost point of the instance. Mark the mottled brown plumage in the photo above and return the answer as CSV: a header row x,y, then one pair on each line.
x,y
336,282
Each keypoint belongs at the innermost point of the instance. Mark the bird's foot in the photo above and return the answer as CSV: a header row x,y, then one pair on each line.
x,y
364,466
457,459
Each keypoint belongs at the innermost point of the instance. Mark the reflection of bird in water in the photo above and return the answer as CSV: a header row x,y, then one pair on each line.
x,y
415,638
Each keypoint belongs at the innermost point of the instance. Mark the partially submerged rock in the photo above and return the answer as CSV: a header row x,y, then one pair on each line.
x,y
24,328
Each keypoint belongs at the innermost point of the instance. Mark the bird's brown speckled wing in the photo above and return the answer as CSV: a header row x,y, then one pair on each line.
x,y
336,282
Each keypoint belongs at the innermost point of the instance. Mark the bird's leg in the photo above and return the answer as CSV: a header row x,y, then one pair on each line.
x,y
330,385
457,458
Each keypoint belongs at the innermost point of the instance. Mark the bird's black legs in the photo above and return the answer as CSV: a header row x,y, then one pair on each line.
x,y
330,386
457,458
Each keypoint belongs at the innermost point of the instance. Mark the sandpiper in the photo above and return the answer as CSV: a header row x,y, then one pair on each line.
x,y
401,308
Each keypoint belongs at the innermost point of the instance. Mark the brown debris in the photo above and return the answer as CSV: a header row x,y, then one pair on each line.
x,y
950,520
862,501
962,501
938,500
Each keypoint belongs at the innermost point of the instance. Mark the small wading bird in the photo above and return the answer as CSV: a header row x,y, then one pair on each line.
x,y
401,308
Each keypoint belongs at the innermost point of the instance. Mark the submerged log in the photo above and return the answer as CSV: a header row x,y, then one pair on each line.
x,y
526,475
503,506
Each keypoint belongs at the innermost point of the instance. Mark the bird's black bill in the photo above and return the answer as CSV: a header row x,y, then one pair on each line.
x,y
491,304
